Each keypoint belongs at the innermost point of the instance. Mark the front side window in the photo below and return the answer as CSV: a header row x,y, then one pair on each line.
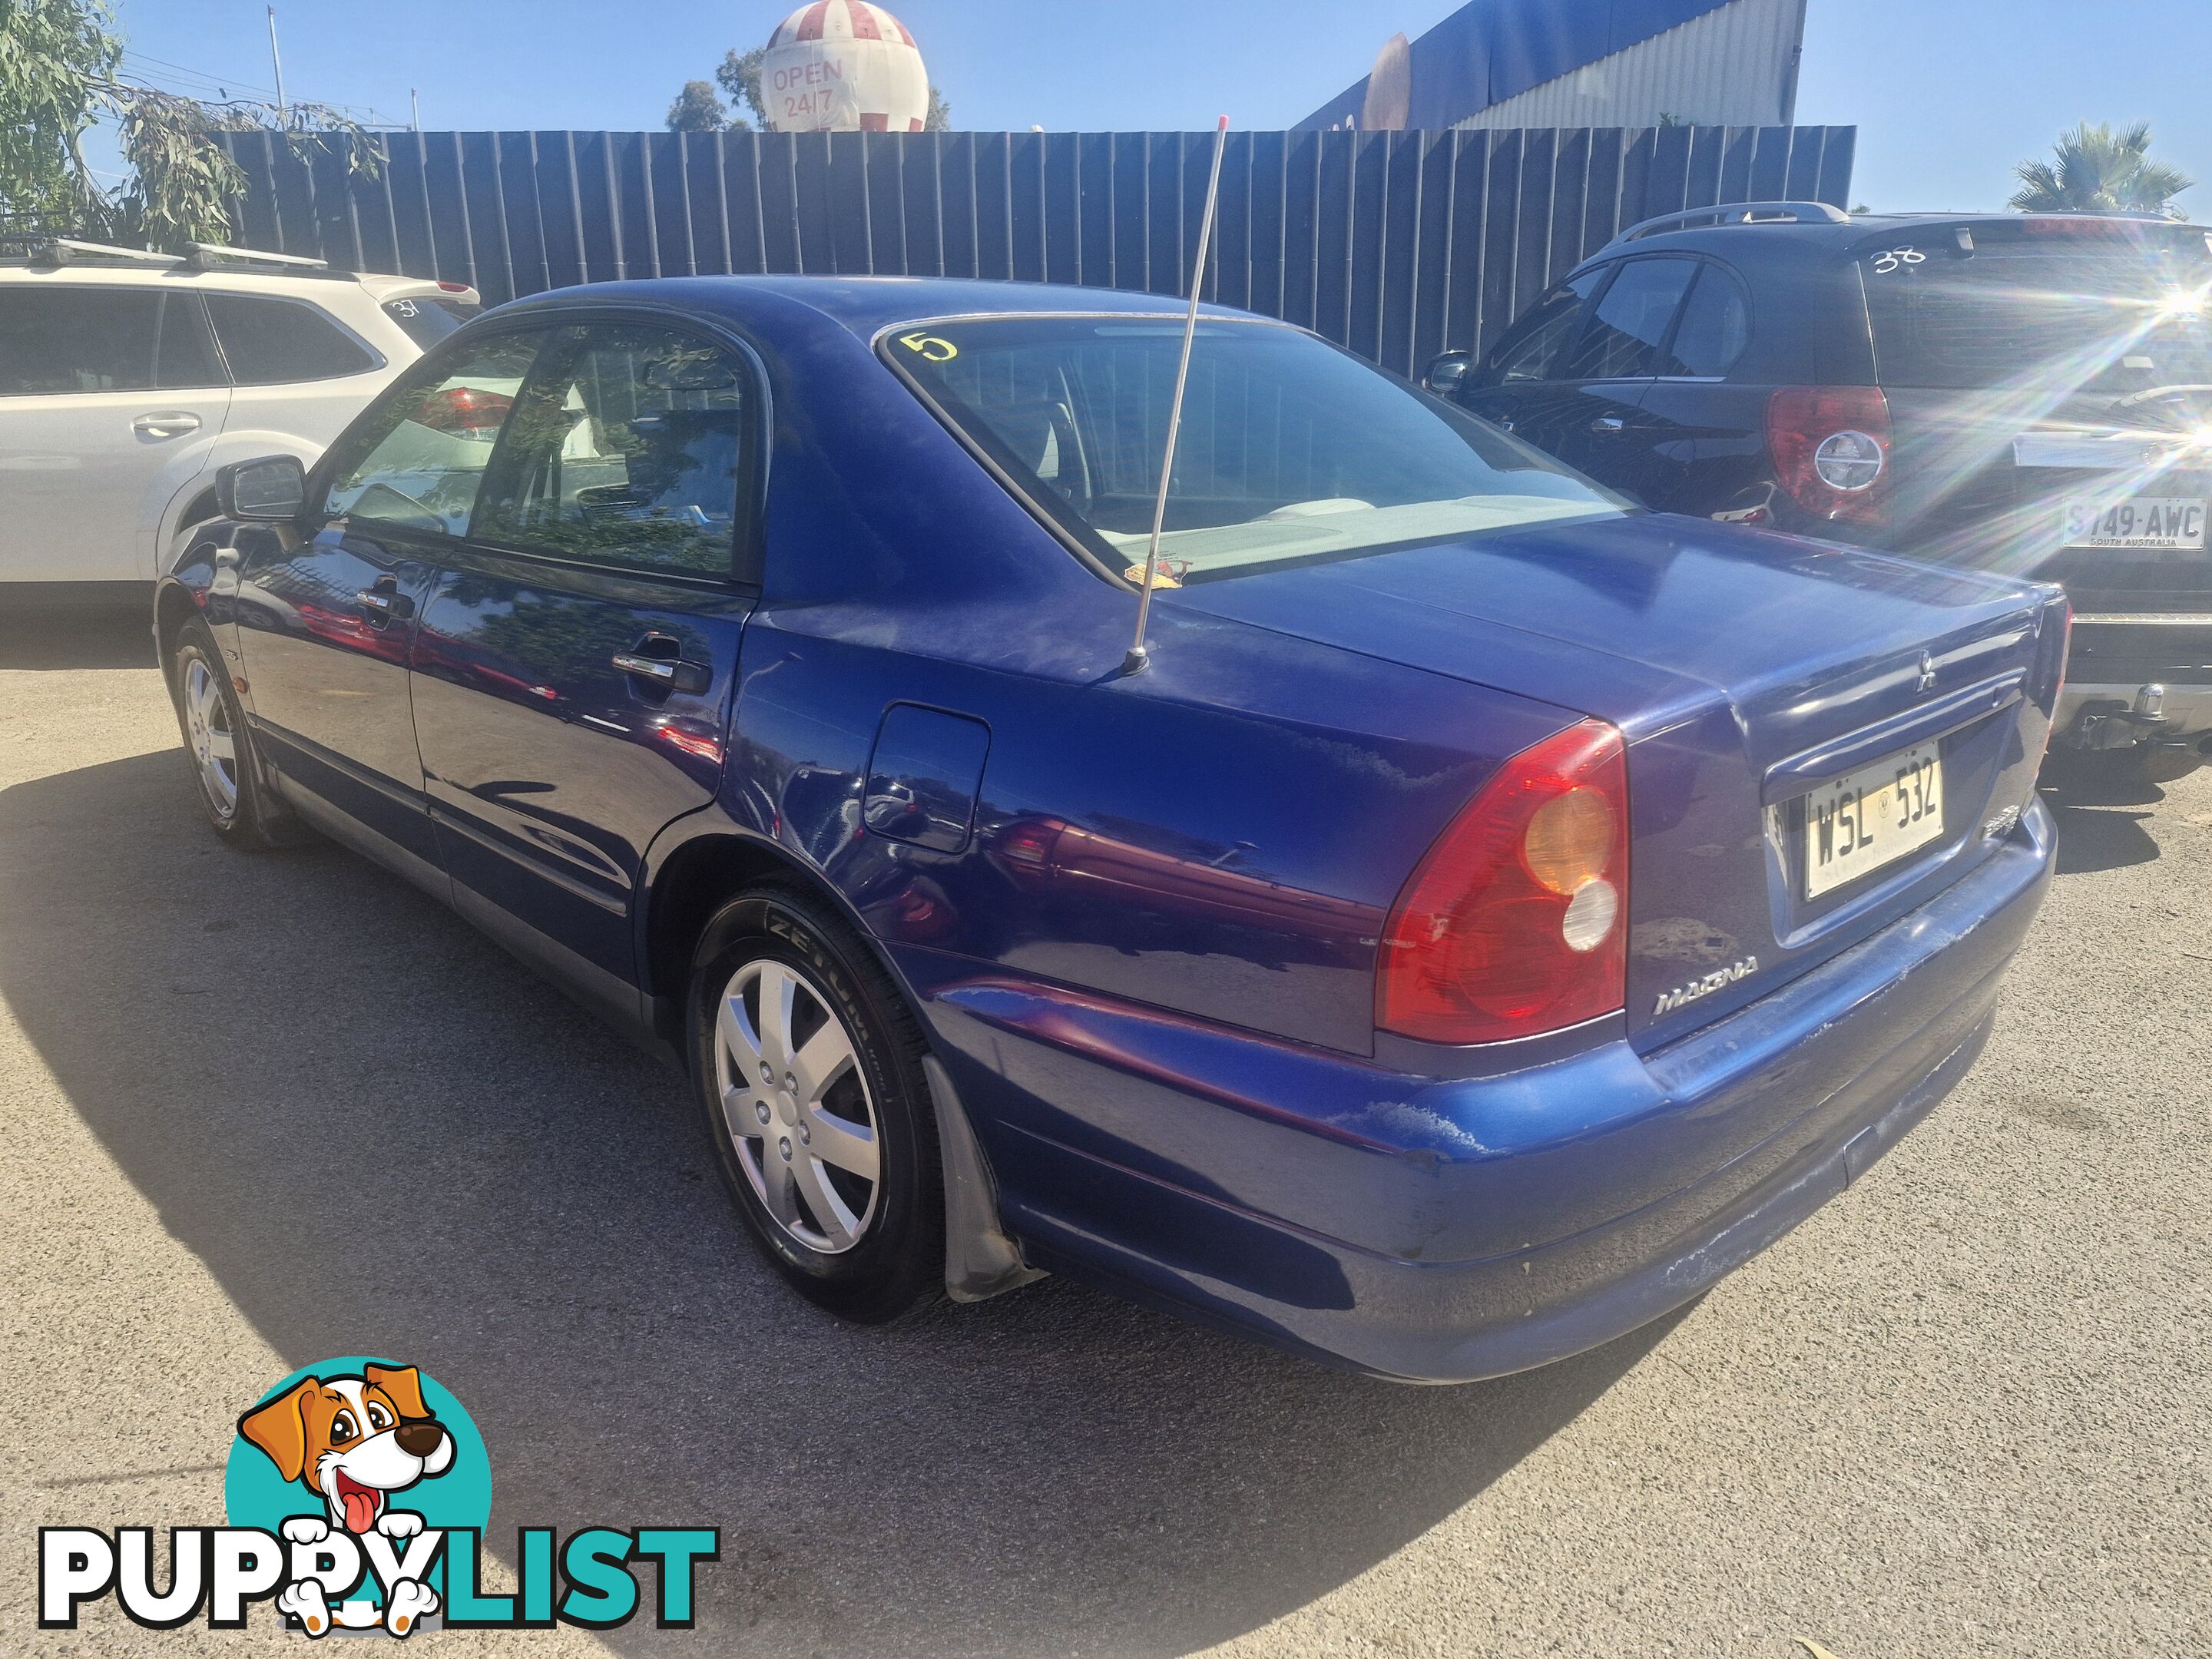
x,y
185,355
61,340
1530,347
276,341
1631,322
627,449
417,459
1291,451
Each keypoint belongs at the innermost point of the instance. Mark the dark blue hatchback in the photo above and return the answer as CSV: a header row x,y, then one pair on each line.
x,y
1492,912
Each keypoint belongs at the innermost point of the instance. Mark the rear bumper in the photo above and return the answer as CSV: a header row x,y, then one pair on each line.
x,y
2123,714
2136,679
1453,1229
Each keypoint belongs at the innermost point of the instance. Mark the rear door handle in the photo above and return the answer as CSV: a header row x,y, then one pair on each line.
x,y
166,423
1608,424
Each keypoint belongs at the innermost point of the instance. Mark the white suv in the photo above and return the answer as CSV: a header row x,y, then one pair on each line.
x,y
127,378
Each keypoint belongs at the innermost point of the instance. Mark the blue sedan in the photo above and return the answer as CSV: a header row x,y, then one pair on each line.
x,y
1486,914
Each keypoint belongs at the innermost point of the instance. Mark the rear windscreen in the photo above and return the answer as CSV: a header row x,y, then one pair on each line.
x,y
428,321
2107,313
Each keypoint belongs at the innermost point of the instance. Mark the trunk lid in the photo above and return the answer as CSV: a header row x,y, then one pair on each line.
x,y
1746,671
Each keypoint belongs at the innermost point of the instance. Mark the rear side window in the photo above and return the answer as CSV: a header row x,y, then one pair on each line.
x,y
1531,345
2092,310
428,319
1631,322
627,449
1716,325
271,342
55,341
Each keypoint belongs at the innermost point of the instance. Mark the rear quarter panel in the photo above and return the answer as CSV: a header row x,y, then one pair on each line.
x,y
1222,835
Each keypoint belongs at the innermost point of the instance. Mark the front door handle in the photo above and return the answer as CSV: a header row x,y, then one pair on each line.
x,y
384,603
1608,424
166,423
657,660
659,670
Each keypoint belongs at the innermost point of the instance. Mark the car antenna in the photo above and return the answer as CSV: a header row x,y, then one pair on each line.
x,y
1138,657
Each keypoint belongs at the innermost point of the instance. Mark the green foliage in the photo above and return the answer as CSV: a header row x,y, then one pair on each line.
x,y
939,118
55,57
58,63
2093,169
740,75
697,109
181,180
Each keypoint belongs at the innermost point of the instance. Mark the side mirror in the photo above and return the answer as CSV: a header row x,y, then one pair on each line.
x,y
272,489
1449,373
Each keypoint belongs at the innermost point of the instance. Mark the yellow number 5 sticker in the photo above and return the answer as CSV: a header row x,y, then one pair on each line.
x,y
931,348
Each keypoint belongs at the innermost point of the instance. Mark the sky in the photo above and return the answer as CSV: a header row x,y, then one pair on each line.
x,y
1947,95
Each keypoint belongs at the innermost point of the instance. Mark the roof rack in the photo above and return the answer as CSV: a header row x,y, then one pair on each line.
x,y
204,254
201,256
65,251
1738,213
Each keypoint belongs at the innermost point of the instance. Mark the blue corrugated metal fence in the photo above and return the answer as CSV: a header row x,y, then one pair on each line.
x,y
1397,245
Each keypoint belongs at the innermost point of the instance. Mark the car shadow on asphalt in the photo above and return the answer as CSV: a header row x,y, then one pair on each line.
x,y
2100,806
108,637
381,1136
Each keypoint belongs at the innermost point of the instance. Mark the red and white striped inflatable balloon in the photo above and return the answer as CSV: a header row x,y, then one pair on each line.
x,y
844,66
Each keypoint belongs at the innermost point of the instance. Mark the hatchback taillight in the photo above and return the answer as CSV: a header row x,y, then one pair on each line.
x,y
465,412
1516,921
1830,444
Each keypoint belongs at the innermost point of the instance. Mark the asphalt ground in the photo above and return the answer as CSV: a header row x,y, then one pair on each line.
x,y
258,1111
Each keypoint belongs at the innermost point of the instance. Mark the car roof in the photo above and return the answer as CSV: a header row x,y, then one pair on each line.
x,y
1814,236
867,304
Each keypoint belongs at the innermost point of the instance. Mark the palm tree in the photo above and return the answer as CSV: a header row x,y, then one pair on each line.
x,y
2095,170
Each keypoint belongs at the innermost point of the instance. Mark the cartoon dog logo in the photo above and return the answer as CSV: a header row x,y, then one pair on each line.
x,y
353,1441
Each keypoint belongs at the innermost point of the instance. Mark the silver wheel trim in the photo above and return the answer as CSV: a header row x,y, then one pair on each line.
x,y
776,1095
214,744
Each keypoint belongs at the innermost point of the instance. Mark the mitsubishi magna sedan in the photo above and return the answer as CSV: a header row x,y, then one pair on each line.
x,y
1488,915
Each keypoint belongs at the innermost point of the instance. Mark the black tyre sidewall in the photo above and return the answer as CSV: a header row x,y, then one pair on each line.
x,y
899,1263
247,825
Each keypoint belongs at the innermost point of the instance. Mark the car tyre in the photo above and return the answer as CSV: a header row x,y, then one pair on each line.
x,y
220,747
807,1066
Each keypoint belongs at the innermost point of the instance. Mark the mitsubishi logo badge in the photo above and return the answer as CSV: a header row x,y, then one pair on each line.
x,y
1927,672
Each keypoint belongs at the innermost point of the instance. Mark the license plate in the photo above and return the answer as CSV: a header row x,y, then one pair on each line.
x,y
1873,817
2137,521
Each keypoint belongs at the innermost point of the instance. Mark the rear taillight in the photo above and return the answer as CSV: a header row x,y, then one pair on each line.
x,y
1516,921
465,412
1829,445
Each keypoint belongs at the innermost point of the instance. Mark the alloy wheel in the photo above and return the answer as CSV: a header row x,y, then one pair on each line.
x,y
215,746
796,1106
